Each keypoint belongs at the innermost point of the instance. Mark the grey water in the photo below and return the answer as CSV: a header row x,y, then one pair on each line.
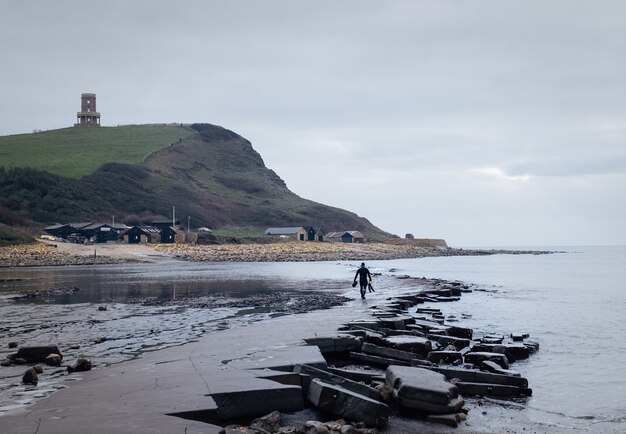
x,y
572,303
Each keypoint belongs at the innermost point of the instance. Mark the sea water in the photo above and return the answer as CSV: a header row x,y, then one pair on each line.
x,y
573,303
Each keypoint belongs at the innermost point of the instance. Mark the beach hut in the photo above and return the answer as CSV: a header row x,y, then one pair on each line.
x,y
294,232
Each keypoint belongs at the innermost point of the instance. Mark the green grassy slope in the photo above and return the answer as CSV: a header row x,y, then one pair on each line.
x,y
74,152
213,176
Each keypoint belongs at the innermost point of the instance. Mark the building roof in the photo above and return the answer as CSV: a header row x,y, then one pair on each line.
x,y
94,226
147,230
80,225
283,231
355,234
55,226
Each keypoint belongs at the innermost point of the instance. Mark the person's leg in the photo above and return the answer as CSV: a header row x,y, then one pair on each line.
x,y
363,289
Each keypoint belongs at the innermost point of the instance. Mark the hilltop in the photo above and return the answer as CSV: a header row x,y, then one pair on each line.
x,y
137,173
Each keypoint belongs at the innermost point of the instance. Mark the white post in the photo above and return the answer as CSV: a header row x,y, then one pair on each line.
x,y
173,216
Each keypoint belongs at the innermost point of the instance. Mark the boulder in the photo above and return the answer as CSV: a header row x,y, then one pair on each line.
x,y
344,403
35,354
53,359
30,377
315,427
81,365
270,422
289,429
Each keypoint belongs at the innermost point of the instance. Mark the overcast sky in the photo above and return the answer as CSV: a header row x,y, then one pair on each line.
x,y
481,122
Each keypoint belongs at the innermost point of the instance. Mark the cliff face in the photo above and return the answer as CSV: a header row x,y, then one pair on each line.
x,y
214,176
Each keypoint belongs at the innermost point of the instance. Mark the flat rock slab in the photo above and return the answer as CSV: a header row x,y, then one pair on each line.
x,y
390,353
335,344
281,359
330,378
358,375
382,362
447,357
471,376
484,389
476,358
344,403
444,341
257,398
429,407
445,419
420,384
414,344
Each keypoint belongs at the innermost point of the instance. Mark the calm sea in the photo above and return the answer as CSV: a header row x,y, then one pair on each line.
x,y
572,303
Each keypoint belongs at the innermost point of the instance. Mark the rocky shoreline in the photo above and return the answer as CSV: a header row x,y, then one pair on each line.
x,y
402,340
59,254
43,255
303,252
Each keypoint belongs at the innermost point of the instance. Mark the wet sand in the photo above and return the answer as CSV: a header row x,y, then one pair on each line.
x,y
128,393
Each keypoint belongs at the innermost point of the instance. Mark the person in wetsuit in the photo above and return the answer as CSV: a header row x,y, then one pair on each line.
x,y
364,277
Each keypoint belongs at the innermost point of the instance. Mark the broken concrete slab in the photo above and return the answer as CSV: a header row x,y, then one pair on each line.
x,y
335,344
428,407
390,353
447,357
364,376
490,366
458,343
330,378
414,344
513,352
247,397
382,362
347,404
420,384
460,332
472,376
476,358
289,378
367,324
485,389
444,419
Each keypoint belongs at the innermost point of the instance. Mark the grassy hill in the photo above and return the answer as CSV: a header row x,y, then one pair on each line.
x,y
75,152
209,173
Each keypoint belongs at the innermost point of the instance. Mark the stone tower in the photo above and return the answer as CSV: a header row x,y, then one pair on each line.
x,y
88,116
